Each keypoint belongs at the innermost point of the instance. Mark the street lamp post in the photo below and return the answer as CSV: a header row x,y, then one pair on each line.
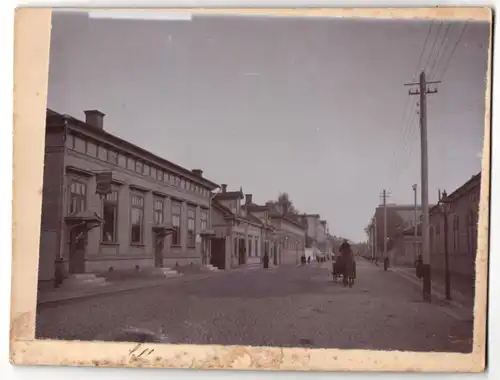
x,y
297,251
444,206
285,244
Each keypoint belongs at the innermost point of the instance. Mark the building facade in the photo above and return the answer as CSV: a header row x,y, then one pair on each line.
x,y
398,219
406,247
321,237
291,234
312,221
463,217
242,232
149,194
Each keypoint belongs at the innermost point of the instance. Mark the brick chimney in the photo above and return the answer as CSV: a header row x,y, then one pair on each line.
x,y
197,172
94,118
224,187
248,199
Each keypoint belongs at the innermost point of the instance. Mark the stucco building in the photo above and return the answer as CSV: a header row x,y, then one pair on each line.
x,y
399,219
463,217
148,194
240,237
405,246
291,234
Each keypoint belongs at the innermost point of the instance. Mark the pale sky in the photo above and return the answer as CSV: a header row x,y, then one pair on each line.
x,y
313,107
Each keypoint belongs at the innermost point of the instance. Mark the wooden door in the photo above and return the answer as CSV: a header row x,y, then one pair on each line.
x,y
159,244
218,257
78,245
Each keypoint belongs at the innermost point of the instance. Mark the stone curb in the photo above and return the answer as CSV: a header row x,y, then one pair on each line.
x,y
120,289
458,298
437,289
462,312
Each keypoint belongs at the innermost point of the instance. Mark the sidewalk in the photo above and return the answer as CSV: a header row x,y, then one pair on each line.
x,y
461,307
59,295
466,300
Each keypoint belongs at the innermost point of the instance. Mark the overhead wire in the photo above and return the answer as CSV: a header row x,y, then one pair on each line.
x,y
434,69
407,110
410,116
453,50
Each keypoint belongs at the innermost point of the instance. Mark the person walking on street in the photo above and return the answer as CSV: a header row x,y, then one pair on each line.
x,y
265,261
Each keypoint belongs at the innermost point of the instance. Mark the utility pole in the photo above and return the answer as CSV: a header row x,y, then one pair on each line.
x,y
423,91
372,242
445,208
386,259
415,226
375,250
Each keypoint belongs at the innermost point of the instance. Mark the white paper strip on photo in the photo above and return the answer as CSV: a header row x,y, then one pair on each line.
x,y
142,15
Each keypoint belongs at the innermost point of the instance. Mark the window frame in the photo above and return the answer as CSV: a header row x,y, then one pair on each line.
x,y
203,220
114,202
76,195
191,232
88,145
139,166
177,225
158,211
112,153
140,208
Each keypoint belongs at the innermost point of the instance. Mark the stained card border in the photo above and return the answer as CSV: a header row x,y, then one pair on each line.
x,y
31,63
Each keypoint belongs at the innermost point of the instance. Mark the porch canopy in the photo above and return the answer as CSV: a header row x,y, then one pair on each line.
x,y
217,232
208,233
87,218
163,229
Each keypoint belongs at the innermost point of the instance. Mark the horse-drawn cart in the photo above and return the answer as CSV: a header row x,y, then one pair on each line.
x,y
345,272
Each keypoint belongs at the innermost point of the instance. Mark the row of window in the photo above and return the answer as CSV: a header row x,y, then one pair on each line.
x,y
78,203
253,244
471,230
291,244
130,163
252,247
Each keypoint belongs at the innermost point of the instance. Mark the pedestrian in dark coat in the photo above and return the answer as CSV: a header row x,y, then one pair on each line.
x,y
265,261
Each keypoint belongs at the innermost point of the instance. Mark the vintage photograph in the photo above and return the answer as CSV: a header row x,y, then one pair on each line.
x,y
262,181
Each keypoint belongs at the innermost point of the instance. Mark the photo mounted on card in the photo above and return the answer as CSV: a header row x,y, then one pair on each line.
x,y
273,189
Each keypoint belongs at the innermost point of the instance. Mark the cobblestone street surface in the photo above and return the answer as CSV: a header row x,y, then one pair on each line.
x,y
285,306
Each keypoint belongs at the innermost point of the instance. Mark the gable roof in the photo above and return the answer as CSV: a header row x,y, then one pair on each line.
x,y
225,210
249,218
288,218
229,195
472,183
55,119
252,219
253,207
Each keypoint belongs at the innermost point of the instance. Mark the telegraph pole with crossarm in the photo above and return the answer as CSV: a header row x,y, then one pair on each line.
x,y
423,91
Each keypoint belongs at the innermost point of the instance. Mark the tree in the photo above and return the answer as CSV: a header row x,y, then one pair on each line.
x,y
284,204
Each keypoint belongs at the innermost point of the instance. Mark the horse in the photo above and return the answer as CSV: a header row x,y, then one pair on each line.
x,y
337,270
349,273
348,265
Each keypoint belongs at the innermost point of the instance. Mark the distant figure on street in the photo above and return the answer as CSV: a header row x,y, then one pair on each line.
x,y
418,266
303,260
309,259
265,261
347,257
